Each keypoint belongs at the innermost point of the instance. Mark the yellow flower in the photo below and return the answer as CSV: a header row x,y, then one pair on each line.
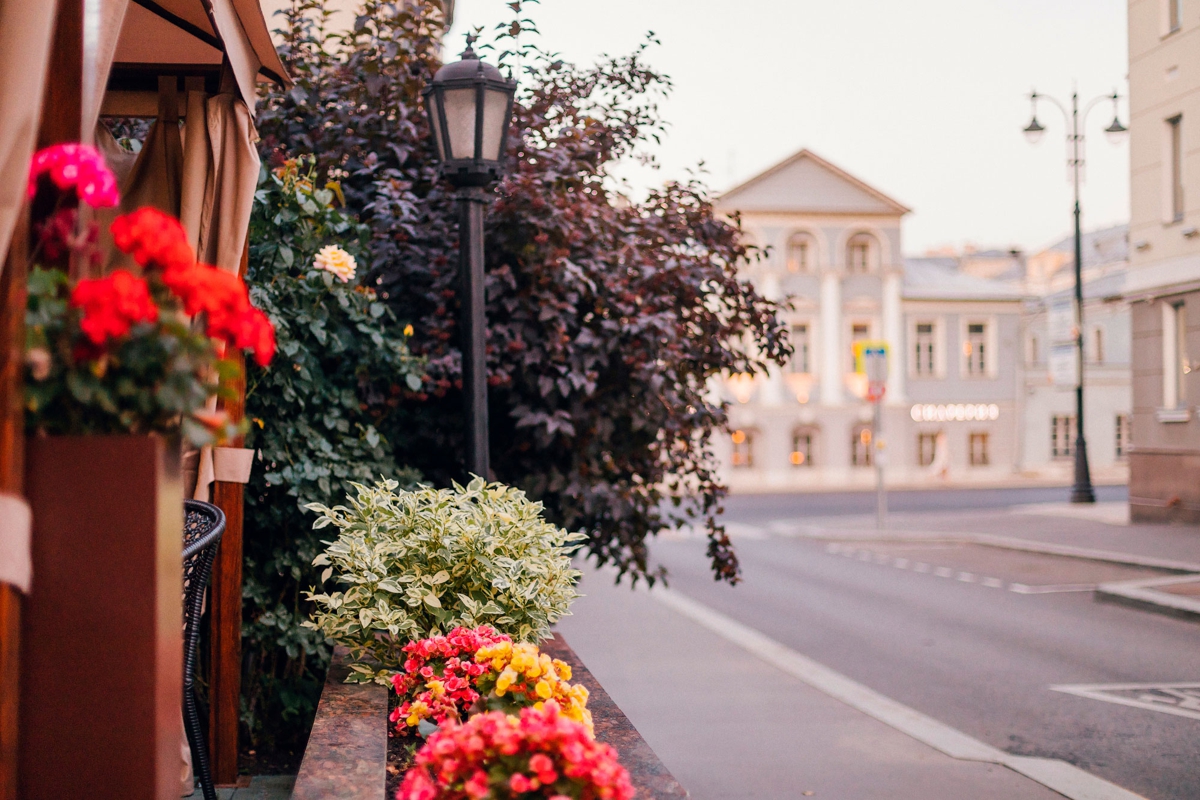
x,y
408,330
563,669
543,690
437,687
507,678
332,258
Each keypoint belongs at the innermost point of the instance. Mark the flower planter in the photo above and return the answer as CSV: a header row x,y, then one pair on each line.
x,y
346,755
101,640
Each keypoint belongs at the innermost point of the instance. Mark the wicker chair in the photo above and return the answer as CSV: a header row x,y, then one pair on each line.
x,y
204,523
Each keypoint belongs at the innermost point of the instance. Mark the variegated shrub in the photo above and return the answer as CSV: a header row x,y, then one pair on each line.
x,y
420,563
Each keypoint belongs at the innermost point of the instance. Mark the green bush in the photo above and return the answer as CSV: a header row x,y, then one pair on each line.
x,y
314,417
420,563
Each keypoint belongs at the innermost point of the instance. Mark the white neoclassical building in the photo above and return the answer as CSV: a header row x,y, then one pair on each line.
x,y
833,245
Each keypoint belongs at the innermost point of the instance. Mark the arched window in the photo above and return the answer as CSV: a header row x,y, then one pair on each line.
x,y
801,253
862,253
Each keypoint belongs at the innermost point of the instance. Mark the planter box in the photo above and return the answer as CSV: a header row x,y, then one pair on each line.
x,y
346,755
101,630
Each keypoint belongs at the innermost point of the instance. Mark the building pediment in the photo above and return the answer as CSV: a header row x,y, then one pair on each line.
x,y
807,183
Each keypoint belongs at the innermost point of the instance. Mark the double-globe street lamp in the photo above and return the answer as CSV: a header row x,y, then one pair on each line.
x,y
1081,491
470,105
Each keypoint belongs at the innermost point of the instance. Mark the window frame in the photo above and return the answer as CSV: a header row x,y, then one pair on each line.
x,y
809,434
1068,425
867,446
871,245
982,457
990,359
1176,365
807,350
742,452
939,347
1123,437
923,438
808,244
1174,184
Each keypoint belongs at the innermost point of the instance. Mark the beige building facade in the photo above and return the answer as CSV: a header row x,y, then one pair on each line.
x,y
1163,279
833,245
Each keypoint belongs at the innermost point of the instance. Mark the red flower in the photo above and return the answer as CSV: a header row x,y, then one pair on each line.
x,y
154,239
79,167
112,305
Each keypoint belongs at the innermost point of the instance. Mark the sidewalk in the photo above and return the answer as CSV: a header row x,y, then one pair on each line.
x,y
731,726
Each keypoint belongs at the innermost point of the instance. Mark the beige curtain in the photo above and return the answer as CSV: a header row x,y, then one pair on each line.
x,y
102,26
26,30
219,179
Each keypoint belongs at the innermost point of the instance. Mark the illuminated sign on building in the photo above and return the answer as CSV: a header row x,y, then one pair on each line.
x,y
954,412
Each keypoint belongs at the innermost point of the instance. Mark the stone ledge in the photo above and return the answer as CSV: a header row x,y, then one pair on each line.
x,y
346,755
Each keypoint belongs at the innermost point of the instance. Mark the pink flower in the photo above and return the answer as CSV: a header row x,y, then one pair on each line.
x,y
79,167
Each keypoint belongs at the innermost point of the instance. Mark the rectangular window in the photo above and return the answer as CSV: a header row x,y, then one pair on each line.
x,y
1174,15
979,450
1062,436
743,448
1124,435
1175,143
1098,345
802,442
924,349
860,257
860,446
800,350
1176,365
1035,357
859,332
926,448
975,349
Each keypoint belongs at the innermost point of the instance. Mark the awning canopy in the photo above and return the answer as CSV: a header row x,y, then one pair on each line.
x,y
191,35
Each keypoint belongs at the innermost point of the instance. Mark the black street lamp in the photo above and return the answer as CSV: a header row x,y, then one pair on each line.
x,y
1082,491
470,105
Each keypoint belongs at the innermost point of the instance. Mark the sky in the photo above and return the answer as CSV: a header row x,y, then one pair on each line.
x,y
923,99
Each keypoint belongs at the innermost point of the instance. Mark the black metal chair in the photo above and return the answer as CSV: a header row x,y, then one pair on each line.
x,y
203,525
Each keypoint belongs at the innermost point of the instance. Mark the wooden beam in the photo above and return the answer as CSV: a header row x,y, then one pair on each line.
x,y
225,619
12,472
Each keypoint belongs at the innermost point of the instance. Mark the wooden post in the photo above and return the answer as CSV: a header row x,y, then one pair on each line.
x,y
225,619
12,472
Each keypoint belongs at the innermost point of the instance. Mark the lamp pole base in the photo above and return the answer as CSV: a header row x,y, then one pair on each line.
x,y
1082,491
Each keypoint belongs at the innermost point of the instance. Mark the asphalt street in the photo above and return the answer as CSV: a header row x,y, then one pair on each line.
x,y
972,652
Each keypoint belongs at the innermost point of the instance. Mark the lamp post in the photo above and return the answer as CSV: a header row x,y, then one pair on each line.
x,y
1081,491
470,105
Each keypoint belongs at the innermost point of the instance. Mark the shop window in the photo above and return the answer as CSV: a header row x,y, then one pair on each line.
x,y
802,448
861,447
926,448
1124,435
743,448
924,349
1062,436
975,349
979,450
801,350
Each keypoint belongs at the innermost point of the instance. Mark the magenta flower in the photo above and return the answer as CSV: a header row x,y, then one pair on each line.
x,y
79,167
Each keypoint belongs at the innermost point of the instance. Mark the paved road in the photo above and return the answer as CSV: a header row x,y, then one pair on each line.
x,y
977,657
749,507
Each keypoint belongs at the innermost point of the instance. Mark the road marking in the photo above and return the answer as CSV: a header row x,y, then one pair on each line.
x,y
1021,588
1181,699
920,567
966,577
993,583
1064,778
943,572
900,563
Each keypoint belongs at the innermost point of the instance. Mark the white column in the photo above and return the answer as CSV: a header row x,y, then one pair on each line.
x,y
893,333
832,358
